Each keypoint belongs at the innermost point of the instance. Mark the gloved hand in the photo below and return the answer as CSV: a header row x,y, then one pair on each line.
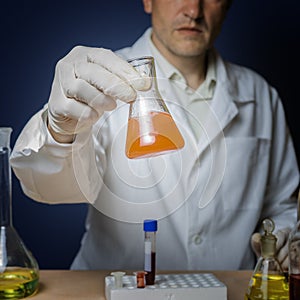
x,y
281,246
87,82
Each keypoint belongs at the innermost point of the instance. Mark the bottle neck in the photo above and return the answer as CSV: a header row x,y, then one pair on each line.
x,y
5,187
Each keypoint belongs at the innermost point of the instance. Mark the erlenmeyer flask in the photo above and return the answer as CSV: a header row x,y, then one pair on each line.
x,y
268,280
151,129
19,273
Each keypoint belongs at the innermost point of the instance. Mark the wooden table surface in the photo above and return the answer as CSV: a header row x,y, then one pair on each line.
x,y
89,285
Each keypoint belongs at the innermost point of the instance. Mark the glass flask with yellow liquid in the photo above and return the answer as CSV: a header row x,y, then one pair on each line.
x,y
268,281
151,129
19,272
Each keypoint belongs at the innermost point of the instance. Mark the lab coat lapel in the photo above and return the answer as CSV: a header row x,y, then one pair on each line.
x,y
222,111
212,150
222,107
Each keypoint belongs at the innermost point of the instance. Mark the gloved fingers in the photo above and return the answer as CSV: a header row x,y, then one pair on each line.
x,y
84,92
282,257
66,126
256,243
106,82
282,238
116,65
108,60
285,264
282,254
282,247
73,109
70,115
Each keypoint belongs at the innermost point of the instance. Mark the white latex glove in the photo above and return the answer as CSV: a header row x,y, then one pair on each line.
x,y
281,246
87,82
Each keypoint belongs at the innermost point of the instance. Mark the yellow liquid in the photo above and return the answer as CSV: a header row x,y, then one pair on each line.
x,y
162,135
18,283
272,287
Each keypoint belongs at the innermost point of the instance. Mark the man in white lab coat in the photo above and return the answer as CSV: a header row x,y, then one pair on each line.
x,y
237,167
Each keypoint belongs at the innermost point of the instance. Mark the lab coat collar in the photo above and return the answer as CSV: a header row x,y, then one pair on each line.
x,y
230,81
142,48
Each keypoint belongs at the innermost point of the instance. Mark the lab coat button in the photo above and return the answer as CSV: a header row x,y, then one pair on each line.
x,y
197,239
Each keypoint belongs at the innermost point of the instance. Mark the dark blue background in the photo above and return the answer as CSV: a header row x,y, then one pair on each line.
x,y
263,35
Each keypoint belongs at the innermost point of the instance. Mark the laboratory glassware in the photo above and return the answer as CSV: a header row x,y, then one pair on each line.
x,y
294,259
151,129
268,280
150,229
19,272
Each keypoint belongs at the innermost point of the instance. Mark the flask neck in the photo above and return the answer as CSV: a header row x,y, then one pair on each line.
x,y
5,187
268,248
148,100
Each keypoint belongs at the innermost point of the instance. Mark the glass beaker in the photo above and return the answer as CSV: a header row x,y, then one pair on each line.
x,y
19,272
268,280
151,129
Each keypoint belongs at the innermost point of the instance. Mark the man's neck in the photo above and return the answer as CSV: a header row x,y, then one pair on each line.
x,y
192,68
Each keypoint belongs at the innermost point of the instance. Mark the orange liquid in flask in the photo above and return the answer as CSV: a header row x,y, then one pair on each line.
x,y
152,135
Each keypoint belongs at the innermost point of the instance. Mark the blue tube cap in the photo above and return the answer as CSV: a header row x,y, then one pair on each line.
x,y
150,225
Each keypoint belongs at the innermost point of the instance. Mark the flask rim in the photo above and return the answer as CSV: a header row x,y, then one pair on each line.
x,y
138,61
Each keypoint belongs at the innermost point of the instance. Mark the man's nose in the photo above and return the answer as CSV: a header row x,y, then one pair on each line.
x,y
193,9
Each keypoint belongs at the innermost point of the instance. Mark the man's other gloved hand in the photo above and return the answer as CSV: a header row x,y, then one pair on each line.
x,y
281,246
87,82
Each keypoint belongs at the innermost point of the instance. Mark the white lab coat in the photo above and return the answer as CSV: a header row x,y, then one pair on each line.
x,y
209,197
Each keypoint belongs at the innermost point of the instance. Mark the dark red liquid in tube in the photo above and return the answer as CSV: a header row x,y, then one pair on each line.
x,y
150,276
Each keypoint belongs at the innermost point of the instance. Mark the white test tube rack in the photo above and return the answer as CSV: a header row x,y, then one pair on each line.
x,y
192,286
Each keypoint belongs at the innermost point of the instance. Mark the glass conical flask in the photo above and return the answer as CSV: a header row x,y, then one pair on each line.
x,y
294,258
19,274
268,281
151,129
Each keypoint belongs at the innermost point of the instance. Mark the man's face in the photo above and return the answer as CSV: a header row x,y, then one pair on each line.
x,y
185,28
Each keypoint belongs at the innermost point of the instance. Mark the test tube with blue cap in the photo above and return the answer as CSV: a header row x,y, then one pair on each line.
x,y
150,228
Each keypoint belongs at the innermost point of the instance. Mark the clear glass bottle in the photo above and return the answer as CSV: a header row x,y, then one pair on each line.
x,y
151,129
150,228
268,281
19,273
294,259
